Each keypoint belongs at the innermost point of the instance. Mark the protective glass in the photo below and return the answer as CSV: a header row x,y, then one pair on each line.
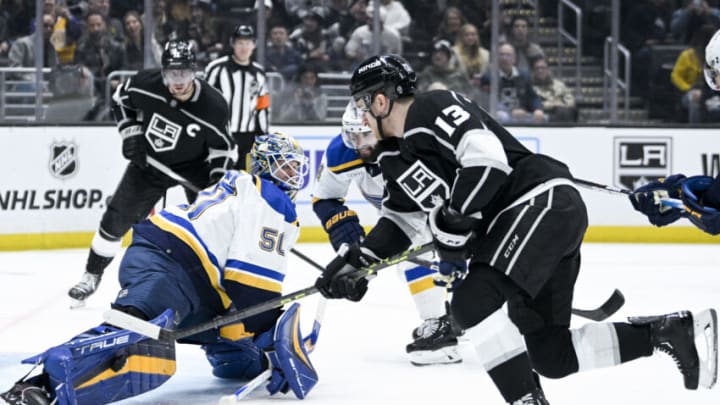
x,y
178,76
358,139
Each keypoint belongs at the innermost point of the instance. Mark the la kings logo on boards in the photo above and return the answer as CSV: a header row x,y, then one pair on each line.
x,y
423,186
641,160
63,159
162,133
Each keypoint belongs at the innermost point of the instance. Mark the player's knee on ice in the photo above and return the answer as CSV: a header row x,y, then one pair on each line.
x,y
106,364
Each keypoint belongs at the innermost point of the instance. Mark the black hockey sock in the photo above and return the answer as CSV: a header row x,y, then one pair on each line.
x,y
96,264
514,378
634,341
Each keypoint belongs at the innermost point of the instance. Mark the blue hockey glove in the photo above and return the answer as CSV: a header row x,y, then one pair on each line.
x,y
451,233
450,274
646,199
344,227
343,277
134,146
704,217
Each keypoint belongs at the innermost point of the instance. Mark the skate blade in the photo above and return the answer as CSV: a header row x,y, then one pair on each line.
x,y
445,355
75,303
706,327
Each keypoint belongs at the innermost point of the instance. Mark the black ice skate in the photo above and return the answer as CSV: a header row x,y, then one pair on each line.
x,y
435,343
85,288
536,397
676,334
24,393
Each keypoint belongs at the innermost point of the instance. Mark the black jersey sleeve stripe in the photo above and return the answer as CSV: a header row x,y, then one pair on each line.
x,y
469,195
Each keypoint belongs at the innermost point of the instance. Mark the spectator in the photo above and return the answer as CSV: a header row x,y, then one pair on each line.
x,y
22,52
687,20
114,25
359,46
118,9
474,59
134,44
280,56
4,36
397,16
338,16
308,102
203,32
441,70
687,74
649,25
66,31
557,99
100,54
518,101
525,51
310,39
450,25
163,26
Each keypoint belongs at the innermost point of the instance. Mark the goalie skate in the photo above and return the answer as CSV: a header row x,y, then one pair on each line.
x,y
677,334
435,343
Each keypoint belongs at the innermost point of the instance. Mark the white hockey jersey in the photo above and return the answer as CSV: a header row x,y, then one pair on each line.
x,y
239,230
342,166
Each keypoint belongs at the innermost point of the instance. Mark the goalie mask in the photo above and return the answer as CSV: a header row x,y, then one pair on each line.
x,y
279,158
356,135
712,62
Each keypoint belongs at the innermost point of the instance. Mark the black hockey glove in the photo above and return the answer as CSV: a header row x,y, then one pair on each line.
x,y
646,199
344,227
451,233
343,277
134,147
697,195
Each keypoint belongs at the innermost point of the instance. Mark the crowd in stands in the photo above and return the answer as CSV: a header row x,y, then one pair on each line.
x,y
446,41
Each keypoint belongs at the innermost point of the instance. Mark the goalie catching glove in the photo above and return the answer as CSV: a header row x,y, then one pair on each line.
x,y
343,277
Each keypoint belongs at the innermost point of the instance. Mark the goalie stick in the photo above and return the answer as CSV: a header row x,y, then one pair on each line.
x,y
126,321
601,313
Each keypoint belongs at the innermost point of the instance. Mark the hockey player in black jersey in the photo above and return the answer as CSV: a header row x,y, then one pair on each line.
x,y
518,218
178,120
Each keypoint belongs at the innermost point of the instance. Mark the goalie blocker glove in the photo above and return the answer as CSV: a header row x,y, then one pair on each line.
x,y
646,199
698,194
342,278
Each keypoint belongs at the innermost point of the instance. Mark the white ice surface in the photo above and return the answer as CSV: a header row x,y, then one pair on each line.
x,y
360,355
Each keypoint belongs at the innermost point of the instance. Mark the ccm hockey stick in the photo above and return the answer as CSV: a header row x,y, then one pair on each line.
x,y
601,313
125,321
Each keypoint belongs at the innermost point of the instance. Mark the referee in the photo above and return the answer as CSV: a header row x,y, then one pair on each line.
x,y
243,84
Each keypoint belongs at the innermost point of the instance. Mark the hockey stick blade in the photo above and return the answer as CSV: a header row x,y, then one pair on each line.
x,y
138,325
604,311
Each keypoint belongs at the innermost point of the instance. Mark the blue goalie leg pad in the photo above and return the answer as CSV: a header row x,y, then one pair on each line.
x,y
107,364
290,357
236,359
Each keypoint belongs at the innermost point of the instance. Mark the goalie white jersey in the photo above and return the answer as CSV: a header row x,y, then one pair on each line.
x,y
248,252
340,167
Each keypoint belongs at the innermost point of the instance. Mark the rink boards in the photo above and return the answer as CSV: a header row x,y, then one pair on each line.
x,y
57,180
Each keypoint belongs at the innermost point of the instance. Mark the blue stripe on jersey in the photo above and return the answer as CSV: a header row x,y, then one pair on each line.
x,y
277,199
340,158
254,276
417,272
375,201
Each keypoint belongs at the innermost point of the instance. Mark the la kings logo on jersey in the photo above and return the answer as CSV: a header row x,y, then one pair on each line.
x,y
63,159
423,186
162,133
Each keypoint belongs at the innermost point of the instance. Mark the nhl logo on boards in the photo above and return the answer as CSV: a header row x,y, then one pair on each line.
x,y
63,159
641,160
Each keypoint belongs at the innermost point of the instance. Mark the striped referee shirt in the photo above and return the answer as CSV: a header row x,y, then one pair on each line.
x,y
245,89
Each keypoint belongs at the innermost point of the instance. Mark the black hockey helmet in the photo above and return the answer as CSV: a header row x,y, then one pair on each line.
x,y
242,32
390,74
178,55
